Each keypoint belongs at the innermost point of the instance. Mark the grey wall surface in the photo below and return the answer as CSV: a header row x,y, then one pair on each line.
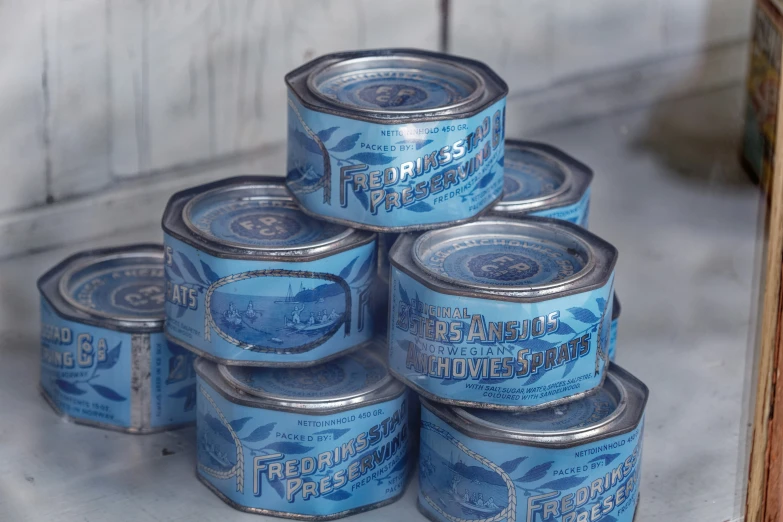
x,y
108,106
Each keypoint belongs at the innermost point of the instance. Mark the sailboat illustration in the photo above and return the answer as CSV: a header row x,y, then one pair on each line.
x,y
290,298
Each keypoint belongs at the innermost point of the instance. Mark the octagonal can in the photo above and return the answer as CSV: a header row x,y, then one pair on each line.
x,y
501,313
395,139
104,359
577,462
615,321
312,443
250,280
541,180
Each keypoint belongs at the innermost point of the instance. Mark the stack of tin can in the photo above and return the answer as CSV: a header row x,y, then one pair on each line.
x,y
405,211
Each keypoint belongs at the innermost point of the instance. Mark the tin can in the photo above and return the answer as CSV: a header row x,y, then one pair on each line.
x,y
312,443
395,139
104,359
250,280
501,313
541,180
615,320
578,462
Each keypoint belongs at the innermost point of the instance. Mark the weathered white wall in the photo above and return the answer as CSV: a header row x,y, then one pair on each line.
x,y
108,106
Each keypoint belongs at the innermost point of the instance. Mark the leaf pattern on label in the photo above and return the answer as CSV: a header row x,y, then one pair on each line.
x,y
583,315
307,142
372,158
217,426
293,448
601,302
365,268
335,433
564,329
606,459
340,494
347,143
211,275
238,424
511,465
107,393
345,272
486,180
421,206
69,387
191,268
403,294
174,268
563,483
325,134
260,433
277,485
112,356
535,473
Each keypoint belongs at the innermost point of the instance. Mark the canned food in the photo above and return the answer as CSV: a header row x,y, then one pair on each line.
x,y
250,280
501,313
577,462
312,443
615,320
395,139
541,180
104,359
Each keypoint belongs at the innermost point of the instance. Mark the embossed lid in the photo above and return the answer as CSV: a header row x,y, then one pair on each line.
x,y
538,176
120,287
258,217
396,85
354,380
502,255
254,217
349,376
615,408
525,259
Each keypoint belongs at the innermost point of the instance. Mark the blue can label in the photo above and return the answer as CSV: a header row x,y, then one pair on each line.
x,y
406,175
343,377
269,311
481,351
578,213
302,464
613,340
461,478
87,372
172,382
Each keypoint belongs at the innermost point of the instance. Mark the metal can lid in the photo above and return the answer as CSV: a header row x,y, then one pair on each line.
x,y
503,255
123,286
587,413
396,83
260,217
532,176
354,375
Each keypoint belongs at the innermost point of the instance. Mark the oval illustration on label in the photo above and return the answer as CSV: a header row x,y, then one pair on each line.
x,y
278,311
459,483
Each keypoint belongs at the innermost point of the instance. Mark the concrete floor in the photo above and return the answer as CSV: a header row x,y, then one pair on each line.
x,y
668,193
